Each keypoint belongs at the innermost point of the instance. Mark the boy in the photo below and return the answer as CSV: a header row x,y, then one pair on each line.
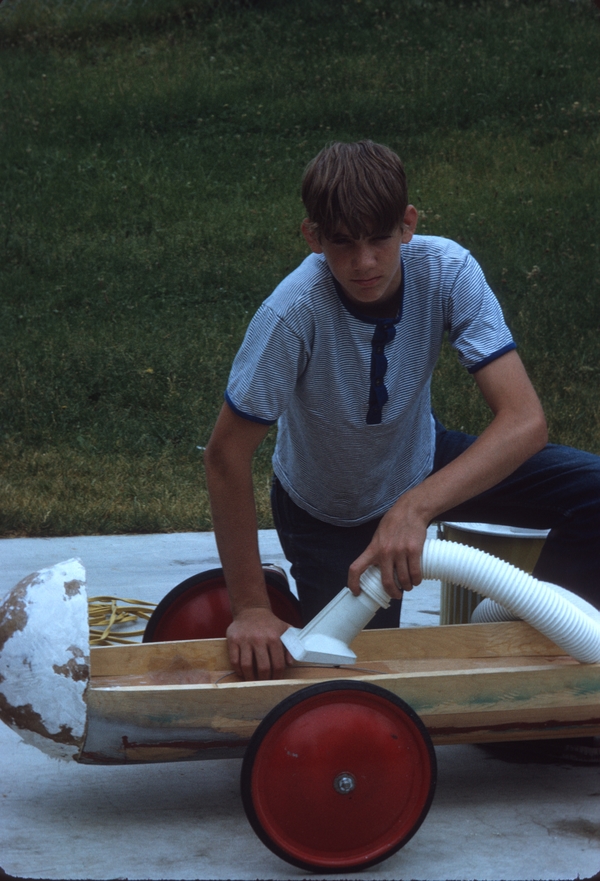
x,y
341,356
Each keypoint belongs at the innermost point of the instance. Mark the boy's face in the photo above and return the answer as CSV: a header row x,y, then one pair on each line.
x,y
368,269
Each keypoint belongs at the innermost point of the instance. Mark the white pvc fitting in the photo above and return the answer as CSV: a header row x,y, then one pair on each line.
x,y
326,639
544,606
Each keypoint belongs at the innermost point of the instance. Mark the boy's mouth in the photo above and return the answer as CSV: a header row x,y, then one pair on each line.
x,y
367,282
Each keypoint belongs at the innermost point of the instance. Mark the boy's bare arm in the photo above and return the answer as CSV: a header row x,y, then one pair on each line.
x,y
517,431
255,649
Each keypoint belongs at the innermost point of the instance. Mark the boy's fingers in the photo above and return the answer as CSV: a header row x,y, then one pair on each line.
x,y
278,660
406,573
397,575
258,664
414,566
254,661
234,656
395,579
256,652
356,570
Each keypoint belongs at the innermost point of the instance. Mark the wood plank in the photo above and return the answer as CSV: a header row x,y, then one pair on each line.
x,y
126,740
139,658
430,694
497,690
511,725
187,675
455,641
501,639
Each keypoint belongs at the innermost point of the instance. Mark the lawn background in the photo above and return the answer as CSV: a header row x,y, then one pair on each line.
x,y
150,160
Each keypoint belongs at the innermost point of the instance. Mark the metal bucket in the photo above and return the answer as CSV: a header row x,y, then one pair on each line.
x,y
521,547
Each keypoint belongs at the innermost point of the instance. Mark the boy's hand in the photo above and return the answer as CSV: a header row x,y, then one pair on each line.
x,y
395,549
254,644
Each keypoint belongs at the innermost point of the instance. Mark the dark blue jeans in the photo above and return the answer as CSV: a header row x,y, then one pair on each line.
x,y
557,489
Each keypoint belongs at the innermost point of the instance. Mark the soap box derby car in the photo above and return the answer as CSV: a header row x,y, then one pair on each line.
x,y
339,766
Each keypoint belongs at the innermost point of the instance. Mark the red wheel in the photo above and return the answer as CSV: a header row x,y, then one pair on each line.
x,y
338,777
198,608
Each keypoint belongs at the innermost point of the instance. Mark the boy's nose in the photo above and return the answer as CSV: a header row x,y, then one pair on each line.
x,y
364,256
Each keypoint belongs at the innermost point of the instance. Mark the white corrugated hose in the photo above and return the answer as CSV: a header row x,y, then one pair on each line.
x,y
563,617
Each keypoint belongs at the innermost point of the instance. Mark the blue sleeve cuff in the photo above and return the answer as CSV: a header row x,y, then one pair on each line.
x,y
492,357
247,416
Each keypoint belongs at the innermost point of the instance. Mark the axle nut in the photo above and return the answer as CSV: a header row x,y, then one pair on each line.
x,y
344,783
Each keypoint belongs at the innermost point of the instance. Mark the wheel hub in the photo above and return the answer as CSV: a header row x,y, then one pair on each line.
x,y
344,783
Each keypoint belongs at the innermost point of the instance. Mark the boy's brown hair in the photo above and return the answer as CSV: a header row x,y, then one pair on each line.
x,y
360,187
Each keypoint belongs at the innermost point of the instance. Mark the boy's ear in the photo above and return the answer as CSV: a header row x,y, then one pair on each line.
x,y
409,225
311,236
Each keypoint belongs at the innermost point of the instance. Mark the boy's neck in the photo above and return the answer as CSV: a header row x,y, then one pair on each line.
x,y
389,308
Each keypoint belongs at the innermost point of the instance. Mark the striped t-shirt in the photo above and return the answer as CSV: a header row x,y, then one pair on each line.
x,y
309,362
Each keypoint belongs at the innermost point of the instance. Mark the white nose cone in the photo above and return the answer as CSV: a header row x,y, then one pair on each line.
x,y
45,657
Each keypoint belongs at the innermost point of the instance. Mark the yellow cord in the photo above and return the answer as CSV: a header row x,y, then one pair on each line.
x,y
106,614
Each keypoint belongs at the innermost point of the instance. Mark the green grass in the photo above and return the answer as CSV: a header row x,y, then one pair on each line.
x,y
150,162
